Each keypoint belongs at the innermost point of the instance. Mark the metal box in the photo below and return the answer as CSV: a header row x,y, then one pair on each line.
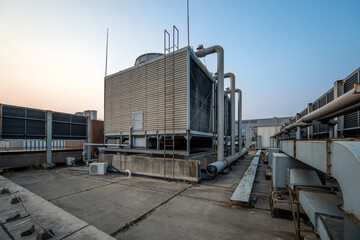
x,y
98,168
271,156
281,163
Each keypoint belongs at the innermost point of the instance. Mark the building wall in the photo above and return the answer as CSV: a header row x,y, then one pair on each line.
x,y
250,130
266,133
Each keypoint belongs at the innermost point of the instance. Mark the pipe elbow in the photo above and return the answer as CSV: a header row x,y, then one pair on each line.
x,y
229,75
206,51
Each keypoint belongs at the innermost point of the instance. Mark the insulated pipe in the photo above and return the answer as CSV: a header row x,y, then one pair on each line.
x,y
239,118
232,94
349,99
216,167
349,102
220,95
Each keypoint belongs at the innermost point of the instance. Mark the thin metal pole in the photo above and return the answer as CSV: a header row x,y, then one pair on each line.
x,y
188,31
107,43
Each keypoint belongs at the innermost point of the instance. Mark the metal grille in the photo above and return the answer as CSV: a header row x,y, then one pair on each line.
x,y
351,120
200,99
349,83
330,96
322,101
315,106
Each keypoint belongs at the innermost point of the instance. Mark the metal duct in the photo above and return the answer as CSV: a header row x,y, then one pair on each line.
x,y
220,95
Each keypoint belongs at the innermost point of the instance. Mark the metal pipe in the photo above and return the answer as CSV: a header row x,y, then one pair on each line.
x,y
349,99
347,103
216,167
239,118
232,94
220,95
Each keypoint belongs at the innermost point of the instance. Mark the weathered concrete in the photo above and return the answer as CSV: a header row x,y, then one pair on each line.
x,y
55,189
111,207
153,166
37,212
189,218
35,158
148,208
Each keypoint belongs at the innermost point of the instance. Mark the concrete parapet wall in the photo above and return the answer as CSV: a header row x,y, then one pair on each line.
x,y
35,158
153,166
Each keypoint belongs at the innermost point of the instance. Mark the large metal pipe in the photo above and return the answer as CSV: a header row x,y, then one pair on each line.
x,y
347,103
239,118
220,95
216,167
232,94
349,99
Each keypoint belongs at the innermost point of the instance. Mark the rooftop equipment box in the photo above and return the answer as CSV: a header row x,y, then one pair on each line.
x,y
138,96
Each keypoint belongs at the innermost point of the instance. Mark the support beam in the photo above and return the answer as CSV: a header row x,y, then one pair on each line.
x,y
88,137
48,137
243,190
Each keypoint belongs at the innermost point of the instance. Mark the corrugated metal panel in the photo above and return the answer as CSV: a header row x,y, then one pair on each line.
x,y
142,89
349,83
330,96
322,101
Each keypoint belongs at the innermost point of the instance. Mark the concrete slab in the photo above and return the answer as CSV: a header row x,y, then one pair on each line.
x,y
109,208
156,184
4,235
189,218
24,178
223,180
210,193
89,233
54,189
113,177
43,214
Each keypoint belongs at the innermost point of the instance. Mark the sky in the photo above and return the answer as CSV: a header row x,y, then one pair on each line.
x,y
284,53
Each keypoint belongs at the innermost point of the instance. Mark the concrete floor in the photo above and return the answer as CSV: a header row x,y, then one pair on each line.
x,y
148,208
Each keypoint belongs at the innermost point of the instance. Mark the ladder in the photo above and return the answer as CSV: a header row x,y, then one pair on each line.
x,y
171,138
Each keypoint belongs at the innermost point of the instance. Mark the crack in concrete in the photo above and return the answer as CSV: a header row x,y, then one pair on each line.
x,y
145,215
86,190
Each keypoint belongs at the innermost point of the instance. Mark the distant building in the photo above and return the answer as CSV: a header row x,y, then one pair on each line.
x,y
257,132
91,113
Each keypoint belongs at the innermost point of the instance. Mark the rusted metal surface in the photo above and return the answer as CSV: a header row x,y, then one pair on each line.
x,y
97,134
243,190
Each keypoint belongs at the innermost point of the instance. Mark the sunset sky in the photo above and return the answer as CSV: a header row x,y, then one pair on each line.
x,y
284,54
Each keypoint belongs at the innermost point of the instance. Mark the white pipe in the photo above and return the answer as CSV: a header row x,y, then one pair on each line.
x,y
128,172
232,94
239,118
344,104
220,95
216,167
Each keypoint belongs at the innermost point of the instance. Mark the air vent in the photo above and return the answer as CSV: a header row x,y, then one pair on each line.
x,y
349,84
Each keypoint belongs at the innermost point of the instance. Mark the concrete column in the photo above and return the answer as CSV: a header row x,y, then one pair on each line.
x,y
88,137
331,130
298,132
48,137
338,87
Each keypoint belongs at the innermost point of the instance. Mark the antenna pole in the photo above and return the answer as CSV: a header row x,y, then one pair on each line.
x,y
107,40
188,32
